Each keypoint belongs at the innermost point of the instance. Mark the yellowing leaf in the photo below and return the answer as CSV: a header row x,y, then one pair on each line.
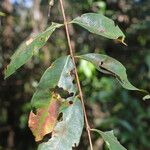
x,y
121,40
44,121
67,133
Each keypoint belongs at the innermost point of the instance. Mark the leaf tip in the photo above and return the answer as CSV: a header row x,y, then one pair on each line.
x,y
5,77
7,72
121,40
147,97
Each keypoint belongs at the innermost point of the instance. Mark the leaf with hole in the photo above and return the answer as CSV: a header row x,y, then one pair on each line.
x,y
59,74
27,49
110,139
67,133
109,65
101,25
44,121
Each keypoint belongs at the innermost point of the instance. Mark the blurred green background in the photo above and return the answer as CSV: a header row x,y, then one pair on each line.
x,y
108,105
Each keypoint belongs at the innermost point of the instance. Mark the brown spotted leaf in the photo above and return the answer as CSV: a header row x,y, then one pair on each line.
x,y
67,133
44,121
59,74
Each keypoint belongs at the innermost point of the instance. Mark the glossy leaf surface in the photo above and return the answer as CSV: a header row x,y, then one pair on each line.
x,y
109,65
44,121
27,49
110,139
67,133
101,25
58,74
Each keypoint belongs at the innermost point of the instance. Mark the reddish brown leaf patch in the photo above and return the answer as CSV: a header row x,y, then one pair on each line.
x,y
44,121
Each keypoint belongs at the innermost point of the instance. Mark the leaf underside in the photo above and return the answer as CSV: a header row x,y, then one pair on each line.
x,y
101,25
67,133
110,139
28,48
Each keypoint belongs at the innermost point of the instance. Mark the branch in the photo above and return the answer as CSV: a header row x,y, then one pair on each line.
x,y
76,73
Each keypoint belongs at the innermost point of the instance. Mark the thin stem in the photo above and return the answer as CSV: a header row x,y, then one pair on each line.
x,y
51,4
76,73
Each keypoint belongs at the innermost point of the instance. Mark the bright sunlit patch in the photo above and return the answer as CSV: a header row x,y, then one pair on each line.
x,y
25,3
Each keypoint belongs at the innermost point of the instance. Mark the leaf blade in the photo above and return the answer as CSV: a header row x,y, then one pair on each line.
x,y
101,25
109,65
27,49
67,133
44,121
58,74
110,139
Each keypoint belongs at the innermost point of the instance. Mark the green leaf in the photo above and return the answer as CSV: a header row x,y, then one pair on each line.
x,y
110,139
109,65
67,133
101,25
45,119
28,48
60,74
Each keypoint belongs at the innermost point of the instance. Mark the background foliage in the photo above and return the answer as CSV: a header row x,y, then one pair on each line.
x,y
108,105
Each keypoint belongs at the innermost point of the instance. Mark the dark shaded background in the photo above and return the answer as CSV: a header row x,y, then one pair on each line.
x,y
108,105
